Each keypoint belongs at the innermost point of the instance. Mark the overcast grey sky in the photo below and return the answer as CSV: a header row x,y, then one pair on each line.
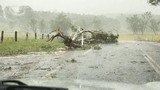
x,y
96,7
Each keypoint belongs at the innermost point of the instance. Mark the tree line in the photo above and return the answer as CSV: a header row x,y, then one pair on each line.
x,y
45,21
139,24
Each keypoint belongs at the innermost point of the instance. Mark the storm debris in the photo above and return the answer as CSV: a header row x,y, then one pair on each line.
x,y
81,38
133,62
103,37
143,62
150,71
72,60
24,68
47,69
97,47
7,68
94,67
112,55
53,75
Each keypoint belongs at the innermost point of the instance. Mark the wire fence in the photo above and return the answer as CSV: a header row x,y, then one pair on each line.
x,y
21,35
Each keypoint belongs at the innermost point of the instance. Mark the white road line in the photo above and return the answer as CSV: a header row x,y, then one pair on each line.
x,y
152,62
87,51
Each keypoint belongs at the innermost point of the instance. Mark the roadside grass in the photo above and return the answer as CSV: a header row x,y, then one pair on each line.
x,y
145,37
9,47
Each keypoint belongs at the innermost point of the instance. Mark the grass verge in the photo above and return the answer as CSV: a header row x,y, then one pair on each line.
x,y
9,47
145,37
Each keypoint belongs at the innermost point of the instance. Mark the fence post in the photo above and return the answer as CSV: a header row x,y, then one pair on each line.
x,y
27,36
2,33
42,36
35,35
15,36
48,36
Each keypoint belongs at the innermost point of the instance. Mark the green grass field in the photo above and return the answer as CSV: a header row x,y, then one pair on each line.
x,y
9,47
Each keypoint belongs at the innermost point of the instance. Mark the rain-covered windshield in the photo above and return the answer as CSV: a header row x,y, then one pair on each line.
x,y
85,40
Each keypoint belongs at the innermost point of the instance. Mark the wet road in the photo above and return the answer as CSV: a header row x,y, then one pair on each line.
x,y
123,62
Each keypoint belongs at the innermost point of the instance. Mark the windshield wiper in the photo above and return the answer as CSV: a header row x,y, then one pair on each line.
x,y
18,85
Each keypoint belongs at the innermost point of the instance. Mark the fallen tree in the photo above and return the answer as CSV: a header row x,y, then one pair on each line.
x,y
100,37
66,39
96,37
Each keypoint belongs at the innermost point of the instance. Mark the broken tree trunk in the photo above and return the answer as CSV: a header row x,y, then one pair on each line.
x,y
79,40
67,41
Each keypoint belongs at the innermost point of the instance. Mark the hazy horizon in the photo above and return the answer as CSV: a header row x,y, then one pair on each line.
x,y
94,7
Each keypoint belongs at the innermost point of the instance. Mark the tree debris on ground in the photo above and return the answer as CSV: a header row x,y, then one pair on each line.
x,y
72,60
97,47
97,37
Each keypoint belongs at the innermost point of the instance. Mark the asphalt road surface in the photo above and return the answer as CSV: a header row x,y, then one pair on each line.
x,y
128,62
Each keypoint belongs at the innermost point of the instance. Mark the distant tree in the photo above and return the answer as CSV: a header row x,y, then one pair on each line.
x,y
28,13
97,23
148,21
8,13
1,11
82,23
62,22
144,20
133,23
27,17
52,24
42,26
154,25
33,25
10,18
139,23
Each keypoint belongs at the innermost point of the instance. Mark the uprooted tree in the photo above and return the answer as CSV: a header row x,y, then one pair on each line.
x,y
67,40
96,37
